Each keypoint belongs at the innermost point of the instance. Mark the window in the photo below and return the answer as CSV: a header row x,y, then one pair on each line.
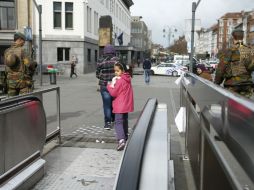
x,y
57,6
95,55
89,19
7,15
251,28
63,54
69,15
96,23
89,55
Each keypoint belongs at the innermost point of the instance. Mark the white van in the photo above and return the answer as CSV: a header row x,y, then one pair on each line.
x,y
178,58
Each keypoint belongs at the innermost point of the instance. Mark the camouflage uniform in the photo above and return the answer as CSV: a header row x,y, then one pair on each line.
x,y
235,67
19,70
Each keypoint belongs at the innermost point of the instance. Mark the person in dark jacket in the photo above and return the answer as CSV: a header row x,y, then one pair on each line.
x,y
105,72
74,61
147,66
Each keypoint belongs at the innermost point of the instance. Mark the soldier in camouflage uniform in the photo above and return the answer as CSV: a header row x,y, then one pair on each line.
x,y
19,67
235,67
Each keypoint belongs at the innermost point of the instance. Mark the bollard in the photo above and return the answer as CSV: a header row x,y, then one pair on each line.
x,y
52,76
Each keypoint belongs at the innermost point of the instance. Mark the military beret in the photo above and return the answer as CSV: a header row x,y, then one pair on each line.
x,y
18,35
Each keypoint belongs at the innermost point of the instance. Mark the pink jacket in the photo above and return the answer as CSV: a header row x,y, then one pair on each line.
x,y
123,94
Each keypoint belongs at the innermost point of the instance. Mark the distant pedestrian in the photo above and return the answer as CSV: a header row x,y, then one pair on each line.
x,y
105,72
202,72
235,67
138,62
121,89
147,66
74,61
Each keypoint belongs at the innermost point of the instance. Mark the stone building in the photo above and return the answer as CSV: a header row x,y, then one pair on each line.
x,y
71,28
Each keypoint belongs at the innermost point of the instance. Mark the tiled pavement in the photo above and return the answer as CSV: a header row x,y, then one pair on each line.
x,y
89,148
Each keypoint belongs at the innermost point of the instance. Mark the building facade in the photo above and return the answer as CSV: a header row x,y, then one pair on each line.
x,y
226,25
71,28
207,41
248,27
140,37
14,16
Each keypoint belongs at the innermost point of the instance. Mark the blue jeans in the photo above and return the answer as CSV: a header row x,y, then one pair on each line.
x,y
121,126
107,105
147,75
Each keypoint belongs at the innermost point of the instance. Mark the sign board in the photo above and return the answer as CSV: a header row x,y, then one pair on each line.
x,y
105,36
28,33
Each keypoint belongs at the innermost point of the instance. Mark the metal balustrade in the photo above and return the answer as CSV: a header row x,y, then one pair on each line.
x,y
219,135
23,134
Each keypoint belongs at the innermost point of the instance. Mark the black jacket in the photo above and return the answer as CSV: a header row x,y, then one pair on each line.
x,y
147,64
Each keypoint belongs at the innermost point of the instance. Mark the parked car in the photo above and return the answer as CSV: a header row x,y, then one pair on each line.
x,y
168,69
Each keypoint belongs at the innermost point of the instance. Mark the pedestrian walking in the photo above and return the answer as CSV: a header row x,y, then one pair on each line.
x,y
203,73
19,67
105,72
138,62
235,66
121,89
74,61
147,66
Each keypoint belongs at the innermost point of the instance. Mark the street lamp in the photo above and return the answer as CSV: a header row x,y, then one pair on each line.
x,y
39,9
194,7
171,31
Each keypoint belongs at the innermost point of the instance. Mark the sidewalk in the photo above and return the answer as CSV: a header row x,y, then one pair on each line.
x,y
84,161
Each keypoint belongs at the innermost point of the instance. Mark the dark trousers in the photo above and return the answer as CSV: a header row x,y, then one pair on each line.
x,y
107,105
121,126
73,72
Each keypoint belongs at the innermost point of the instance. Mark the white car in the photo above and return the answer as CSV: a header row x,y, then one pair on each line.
x,y
168,69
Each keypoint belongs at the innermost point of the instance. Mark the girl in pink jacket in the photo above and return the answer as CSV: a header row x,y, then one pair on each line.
x,y
121,89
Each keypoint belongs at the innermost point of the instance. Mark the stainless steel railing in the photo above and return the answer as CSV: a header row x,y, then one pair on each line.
x,y
22,134
39,93
219,135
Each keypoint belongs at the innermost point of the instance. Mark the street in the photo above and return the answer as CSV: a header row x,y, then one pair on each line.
x,y
81,104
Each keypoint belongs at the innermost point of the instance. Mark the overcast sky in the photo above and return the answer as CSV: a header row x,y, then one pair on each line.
x,y
159,14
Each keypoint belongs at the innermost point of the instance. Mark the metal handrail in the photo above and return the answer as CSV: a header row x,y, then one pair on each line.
x,y
234,179
130,169
231,117
219,90
39,93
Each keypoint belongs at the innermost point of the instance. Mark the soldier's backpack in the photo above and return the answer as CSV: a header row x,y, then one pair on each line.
x,y
247,57
240,61
12,57
11,60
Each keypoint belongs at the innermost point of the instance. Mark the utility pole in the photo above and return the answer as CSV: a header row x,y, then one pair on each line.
x,y
39,9
194,7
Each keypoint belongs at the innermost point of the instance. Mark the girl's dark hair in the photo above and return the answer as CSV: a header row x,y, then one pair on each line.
x,y
123,67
